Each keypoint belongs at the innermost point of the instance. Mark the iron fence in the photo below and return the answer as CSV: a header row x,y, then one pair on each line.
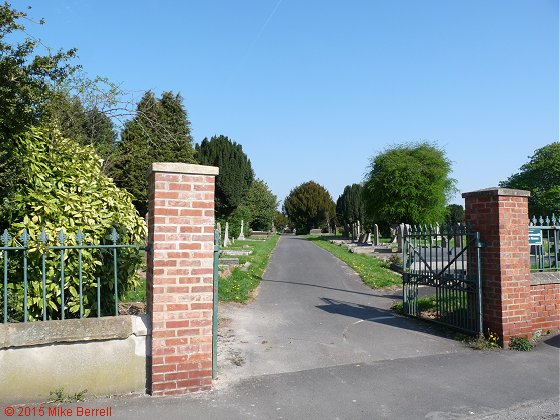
x,y
544,242
69,276
442,276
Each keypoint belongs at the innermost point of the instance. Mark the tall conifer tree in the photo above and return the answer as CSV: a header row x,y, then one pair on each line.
x,y
159,132
236,174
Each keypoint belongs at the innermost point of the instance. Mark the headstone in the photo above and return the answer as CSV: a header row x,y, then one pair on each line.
x,y
367,238
375,234
394,234
444,241
226,235
457,236
219,229
358,230
361,238
400,237
241,236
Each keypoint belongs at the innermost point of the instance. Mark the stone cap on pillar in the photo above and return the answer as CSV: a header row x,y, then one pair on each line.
x,y
183,168
497,191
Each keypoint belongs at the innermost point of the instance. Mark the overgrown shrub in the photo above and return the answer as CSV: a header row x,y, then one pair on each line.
x,y
64,188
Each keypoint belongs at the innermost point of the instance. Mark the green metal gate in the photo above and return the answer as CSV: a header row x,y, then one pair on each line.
x,y
442,277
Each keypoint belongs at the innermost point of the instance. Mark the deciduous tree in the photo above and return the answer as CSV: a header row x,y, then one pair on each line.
x,y
408,183
540,176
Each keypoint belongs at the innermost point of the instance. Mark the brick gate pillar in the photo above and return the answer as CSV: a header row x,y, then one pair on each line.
x,y
501,217
179,276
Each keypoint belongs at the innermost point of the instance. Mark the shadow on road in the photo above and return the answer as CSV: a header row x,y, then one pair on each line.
x,y
384,316
388,295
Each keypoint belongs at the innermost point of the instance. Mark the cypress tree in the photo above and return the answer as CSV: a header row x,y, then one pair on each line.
x,y
159,132
236,174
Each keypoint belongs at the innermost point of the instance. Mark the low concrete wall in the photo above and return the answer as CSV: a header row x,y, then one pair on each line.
x,y
103,355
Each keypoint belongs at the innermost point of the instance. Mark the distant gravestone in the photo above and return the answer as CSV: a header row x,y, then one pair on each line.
x,y
361,238
444,241
241,236
375,234
219,229
400,237
358,230
367,238
226,235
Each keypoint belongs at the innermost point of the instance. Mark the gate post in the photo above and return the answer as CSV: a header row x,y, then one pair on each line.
x,y
179,283
501,217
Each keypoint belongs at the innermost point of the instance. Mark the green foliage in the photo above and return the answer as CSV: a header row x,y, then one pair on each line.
x,y
262,204
408,183
236,174
27,81
63,187
240,284
489,342
89,126
159,132
454,213
521,344
309,206
280,221
541,176
350,206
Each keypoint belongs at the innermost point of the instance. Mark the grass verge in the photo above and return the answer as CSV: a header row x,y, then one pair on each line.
x,y
240,284
373,272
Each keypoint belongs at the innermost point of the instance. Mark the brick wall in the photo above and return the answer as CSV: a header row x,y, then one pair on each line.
x,y
545,305
501,217
179,276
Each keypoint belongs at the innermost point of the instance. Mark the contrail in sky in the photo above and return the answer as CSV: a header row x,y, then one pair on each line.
x,y
263,27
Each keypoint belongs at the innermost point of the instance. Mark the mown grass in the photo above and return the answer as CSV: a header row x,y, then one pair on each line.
x,y
373,272
239,286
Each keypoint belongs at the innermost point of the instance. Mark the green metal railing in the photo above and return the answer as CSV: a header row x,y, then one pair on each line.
x,y
31,262
544,242
217,240
444,263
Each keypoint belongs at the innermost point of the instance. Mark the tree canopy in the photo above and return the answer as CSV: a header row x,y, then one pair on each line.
x,y
309,206
159,132
262,204
408,183
236,173
27,81
540,176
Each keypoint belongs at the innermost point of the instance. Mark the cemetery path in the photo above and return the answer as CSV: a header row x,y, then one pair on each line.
x,y
313,311
318,344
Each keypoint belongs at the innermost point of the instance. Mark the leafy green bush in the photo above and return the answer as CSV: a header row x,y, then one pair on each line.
x,y
63,188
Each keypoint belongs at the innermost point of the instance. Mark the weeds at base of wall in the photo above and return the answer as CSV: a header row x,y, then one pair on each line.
x,y
59,396
521,344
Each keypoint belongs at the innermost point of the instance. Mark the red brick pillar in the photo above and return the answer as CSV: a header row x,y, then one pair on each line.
x,y
179,276
501,217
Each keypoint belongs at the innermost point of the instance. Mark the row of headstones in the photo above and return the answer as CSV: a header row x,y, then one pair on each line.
x,y
400,231
398,234
363,237
226,239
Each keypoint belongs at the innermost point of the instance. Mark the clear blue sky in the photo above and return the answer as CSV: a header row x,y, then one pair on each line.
x,y
313,89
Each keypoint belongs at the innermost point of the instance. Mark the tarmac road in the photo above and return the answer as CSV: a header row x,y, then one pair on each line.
x,y
317,344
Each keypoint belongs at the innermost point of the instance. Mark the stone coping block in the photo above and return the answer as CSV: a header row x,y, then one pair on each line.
x,y
545,278
183,168
25,334
497,191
